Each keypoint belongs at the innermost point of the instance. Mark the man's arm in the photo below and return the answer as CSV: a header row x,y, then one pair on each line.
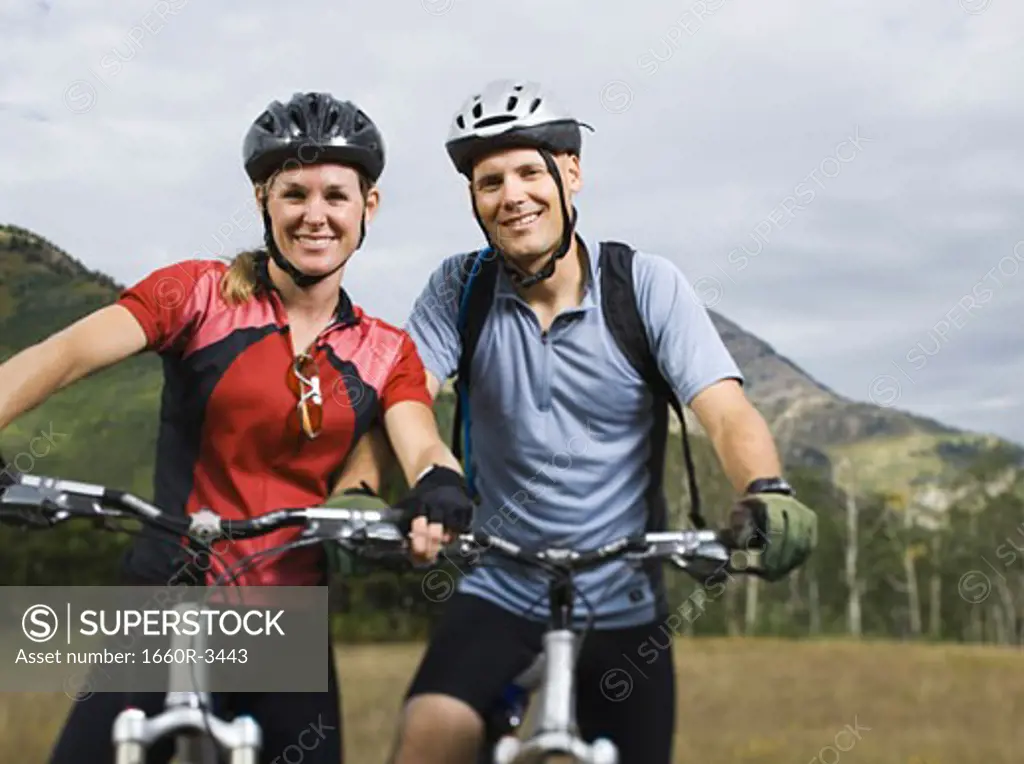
x,y
431,327
433,385
432,324
695,361
739,434
702,372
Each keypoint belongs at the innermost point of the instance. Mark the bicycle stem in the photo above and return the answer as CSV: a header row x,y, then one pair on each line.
x,y
557,711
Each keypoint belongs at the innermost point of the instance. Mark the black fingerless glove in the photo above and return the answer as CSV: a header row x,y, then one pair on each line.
x,y
442,497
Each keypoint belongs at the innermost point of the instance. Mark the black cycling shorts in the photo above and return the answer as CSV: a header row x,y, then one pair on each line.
x,y
625,678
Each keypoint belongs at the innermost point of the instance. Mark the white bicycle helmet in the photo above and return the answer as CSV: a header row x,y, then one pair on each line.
x,y
517,114
510,114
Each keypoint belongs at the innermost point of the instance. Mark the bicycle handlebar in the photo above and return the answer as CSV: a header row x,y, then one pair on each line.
x,y
44,502
681,547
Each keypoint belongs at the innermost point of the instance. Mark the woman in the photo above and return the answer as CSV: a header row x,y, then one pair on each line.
x,y
272,375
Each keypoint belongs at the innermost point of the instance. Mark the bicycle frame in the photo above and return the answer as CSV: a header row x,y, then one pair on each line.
x,y
552,676
186,716
554,730
43,502
199,735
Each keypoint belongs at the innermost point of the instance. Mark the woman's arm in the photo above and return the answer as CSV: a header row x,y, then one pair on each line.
x,y
412,428
367,464
101,339
413,432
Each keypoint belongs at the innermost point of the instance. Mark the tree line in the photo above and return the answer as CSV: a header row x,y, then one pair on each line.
x,y
884,568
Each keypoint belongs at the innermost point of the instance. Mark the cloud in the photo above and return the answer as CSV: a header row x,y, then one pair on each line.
x,y
722,128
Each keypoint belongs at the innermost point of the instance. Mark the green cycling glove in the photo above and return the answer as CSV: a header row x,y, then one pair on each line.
x,y
783,529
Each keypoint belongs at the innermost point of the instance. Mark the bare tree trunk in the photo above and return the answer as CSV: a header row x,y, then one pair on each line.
x,y
910,572
935,590
1020,610
794,603
750,616
814,598
853,611
975,625
732,626
998,628
1007,612
913,597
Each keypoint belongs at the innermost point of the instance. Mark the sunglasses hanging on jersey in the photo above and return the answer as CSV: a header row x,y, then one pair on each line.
x,y
304,381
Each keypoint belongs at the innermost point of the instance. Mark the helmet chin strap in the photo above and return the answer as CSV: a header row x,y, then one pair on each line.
x,y
526,280
300,279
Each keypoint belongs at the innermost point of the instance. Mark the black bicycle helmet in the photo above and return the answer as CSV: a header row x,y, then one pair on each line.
x,y
311,128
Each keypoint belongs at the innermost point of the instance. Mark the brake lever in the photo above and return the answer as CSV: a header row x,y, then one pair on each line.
x,y
369,540
24,507
713,569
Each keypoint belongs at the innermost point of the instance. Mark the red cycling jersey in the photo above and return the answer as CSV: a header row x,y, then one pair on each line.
x,y
225,441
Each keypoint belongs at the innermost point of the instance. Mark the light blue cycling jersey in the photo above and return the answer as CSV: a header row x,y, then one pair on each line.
x,y
560,426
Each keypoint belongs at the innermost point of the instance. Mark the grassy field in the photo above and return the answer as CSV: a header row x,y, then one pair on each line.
x,y
740,700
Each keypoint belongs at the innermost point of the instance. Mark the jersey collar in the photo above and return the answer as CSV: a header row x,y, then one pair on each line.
x,y
504,287
346,314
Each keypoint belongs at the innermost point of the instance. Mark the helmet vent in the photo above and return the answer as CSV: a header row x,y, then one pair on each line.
x,y
499,120
333,115
339,131
534,105
512,101
461,122
478,110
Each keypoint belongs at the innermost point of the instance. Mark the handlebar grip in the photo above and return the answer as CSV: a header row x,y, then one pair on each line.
x,y
340,512
391,515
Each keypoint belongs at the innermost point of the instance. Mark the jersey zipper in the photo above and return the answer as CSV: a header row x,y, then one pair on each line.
x,y
544,391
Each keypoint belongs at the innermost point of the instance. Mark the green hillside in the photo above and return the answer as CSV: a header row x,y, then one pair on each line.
x,y
101,430
106,422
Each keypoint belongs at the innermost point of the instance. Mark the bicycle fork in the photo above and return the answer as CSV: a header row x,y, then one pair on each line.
x,y
186,716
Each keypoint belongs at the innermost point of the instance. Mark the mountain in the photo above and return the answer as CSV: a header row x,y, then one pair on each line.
x,y
105,426
866,446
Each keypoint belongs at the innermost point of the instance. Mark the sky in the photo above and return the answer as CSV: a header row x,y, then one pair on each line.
x,y
841,179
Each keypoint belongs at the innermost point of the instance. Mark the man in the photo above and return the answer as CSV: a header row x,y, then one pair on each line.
x,y
561,430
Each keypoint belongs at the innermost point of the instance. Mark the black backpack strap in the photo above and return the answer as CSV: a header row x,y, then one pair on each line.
x,y
621,313
478,273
